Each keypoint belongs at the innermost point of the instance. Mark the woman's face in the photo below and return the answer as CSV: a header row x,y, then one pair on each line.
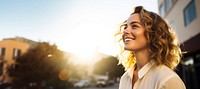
x,y
133,34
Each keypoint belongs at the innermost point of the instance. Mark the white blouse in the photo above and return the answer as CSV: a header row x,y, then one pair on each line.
x,y
151,76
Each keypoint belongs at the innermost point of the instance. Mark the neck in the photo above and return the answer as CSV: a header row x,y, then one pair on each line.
x,y
142,57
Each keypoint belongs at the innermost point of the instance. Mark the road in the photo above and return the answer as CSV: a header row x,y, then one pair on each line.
x,y
108,87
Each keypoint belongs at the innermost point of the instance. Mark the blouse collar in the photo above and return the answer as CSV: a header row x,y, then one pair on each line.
x,y
142,71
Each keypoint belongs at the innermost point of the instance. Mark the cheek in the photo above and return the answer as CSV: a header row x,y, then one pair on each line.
x,y
143,41
142,38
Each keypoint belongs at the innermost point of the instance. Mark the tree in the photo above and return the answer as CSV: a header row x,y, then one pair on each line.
x,y
109,65
40,67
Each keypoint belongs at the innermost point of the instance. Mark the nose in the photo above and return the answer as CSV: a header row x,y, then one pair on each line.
x,y
126,30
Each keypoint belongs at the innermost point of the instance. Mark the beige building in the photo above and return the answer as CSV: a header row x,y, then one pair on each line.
x,y
10,48
184,17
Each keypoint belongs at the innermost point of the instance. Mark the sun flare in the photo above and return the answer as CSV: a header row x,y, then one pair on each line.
x,y
82,43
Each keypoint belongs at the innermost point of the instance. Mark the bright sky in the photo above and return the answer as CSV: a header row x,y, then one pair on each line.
x,y
77,26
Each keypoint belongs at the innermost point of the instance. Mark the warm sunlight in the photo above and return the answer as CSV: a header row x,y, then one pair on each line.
x,y
75,28
88,36
67,41
83,43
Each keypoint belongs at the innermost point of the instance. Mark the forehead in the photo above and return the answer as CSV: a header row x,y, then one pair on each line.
x,y
133,18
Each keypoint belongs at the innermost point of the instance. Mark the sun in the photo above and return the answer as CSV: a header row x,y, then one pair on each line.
x,y
87,36
83,43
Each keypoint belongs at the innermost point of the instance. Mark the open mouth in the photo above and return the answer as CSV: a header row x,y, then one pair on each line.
x,y
126,39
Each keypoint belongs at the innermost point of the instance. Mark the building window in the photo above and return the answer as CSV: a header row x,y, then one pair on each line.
x,y
167,5
190,12
162,10
2,52
16,53
1,68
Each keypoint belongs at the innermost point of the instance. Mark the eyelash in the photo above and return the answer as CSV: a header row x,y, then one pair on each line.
x,y
124,27
133,27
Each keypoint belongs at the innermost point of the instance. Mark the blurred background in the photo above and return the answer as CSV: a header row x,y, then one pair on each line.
x,y
69,44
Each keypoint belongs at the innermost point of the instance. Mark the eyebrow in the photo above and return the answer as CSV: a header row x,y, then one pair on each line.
x,y
134,22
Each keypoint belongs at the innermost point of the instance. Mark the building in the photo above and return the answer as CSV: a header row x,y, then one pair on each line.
x,y
184,17
10,49
23,40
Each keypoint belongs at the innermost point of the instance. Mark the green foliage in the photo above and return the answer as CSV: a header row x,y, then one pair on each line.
x,y
39,67
108,65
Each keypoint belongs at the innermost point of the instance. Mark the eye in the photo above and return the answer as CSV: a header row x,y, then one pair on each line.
x,y
123,27
134,26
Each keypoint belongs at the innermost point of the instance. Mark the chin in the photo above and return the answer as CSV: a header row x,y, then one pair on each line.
x,y
129,49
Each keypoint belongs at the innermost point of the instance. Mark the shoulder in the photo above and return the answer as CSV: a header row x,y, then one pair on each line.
x,y
128,74
172,83
125,76
125,81
164,71
168,78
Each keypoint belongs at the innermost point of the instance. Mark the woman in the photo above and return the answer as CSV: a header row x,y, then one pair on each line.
x,y
151,52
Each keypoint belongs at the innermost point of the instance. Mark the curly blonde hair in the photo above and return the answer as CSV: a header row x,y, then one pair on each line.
x,y
162,43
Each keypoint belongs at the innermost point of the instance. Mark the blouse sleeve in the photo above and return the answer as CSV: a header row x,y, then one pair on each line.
x,y
173,83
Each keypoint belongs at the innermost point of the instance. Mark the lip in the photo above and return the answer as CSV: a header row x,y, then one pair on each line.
x,y
128,39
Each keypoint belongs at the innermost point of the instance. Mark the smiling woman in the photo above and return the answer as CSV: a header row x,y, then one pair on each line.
x,y
152,52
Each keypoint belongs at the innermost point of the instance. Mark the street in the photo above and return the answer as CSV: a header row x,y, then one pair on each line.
x,y
108,87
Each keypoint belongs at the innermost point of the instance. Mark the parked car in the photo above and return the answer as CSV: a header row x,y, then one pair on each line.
x,y
82,83
111,82
101,82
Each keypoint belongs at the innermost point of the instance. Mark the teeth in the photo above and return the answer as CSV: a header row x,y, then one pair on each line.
x,y
127,39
